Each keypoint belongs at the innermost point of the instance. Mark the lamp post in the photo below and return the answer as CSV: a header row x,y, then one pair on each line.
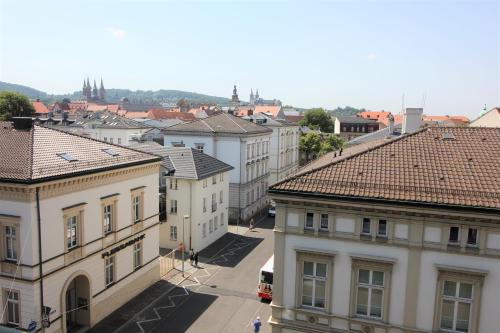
x,y
183,242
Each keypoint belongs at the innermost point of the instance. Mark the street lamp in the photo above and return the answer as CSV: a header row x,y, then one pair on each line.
x,y
183,242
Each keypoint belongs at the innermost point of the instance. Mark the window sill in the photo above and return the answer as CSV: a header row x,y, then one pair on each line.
x,y
110,285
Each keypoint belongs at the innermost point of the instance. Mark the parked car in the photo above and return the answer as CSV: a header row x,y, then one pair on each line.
x,y
272,211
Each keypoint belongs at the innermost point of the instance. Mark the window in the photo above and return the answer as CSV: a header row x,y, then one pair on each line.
x,y
173,184
72,232
109,268
210,226
309,221
105,139
11,243
137,255
314,284
252,194
324,222
472,237
214,180
456,306
366,228
454,235
216,223
119,141
382,228
248,151
173,232
248,198
221,177
221,195
370,293
107,212
204,230
173,206
248,174
12,307
214,202
258,193
110,152
67,157
221,218
136,208
111,140
205,183
204,205
199,147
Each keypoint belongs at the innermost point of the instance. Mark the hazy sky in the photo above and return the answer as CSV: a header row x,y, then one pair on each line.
x,y
306,53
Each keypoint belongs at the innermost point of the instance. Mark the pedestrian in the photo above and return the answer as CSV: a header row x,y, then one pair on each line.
x,y
196,257
251,224
191,257
256,325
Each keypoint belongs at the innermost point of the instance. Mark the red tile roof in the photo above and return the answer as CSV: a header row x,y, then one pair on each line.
x,y
40,108
422,168
164,114
380,116
271,109
34,155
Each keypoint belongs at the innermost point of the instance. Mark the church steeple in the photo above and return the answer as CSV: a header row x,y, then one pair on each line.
x,y
102,91
234,99
94,91
251,97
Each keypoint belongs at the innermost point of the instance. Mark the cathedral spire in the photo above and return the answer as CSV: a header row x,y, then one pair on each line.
x,y
102,91
234,99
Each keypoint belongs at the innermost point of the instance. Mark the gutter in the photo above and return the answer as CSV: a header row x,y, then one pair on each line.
x,y
386,201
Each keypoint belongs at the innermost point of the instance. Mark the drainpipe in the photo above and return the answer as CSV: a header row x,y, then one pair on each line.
x,y
190,212
40,256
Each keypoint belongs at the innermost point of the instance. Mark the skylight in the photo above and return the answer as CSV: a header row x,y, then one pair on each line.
x,y
67,157
448,136
110,152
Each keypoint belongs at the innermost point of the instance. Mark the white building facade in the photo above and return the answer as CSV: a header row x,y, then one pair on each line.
x,y
347,260
99,231
239,143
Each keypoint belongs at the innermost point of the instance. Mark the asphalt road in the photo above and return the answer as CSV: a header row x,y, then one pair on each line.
x,y
219,297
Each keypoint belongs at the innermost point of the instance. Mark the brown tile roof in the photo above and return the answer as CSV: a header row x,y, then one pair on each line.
x,y
221,123
40,108
165,114
422,168
271,109
34,155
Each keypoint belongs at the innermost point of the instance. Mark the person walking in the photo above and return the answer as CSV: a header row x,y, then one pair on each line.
x,y
196,257
256,325
251,224
191,257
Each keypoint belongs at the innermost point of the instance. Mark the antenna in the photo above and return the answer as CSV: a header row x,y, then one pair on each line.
x,y
424,97
403,104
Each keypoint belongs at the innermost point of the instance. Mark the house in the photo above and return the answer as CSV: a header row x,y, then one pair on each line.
x,y
381,117
40,108
239,143
352,126
284,152
488,119
109,127
79,227
402,237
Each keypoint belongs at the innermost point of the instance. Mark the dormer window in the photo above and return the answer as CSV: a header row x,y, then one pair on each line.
x,y
67,157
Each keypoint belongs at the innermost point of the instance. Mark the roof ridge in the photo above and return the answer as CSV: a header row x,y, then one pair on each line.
x,y
244,130
350,157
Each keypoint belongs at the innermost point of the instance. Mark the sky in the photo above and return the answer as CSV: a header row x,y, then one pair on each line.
x,y
442,55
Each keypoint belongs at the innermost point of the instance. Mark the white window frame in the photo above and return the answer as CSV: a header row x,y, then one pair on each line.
x,y
204,230
306,226
173,206
13,309
216,222
321,220
370,288
221,196
457,242
11,242
173,232
379,234
109,270
107,212
137,253
315,279
210,226
72,224
363,220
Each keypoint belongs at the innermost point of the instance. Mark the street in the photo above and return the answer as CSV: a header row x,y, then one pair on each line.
x,y
220,296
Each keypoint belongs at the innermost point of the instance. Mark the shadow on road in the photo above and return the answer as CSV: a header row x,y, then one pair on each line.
x,y
231,255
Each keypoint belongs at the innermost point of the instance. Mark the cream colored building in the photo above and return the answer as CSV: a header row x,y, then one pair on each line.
x,y
488,119
94,206
401,238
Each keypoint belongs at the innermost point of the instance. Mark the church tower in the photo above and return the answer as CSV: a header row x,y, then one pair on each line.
x,y
88,92
251,97
235,101
95,95
102,92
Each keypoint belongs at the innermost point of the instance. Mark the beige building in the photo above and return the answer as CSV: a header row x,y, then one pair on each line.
x,y
403,237
488,119
78,227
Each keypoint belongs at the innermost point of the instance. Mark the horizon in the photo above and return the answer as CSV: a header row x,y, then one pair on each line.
x,y
445,55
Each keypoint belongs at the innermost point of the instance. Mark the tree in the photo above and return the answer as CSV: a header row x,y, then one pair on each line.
x,y
14,105
318,119
310,145
330,143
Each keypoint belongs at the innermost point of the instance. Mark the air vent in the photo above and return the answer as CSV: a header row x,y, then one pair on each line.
x,y
110,152
311,319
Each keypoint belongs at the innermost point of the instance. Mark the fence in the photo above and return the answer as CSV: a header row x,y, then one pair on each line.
x,y
167,263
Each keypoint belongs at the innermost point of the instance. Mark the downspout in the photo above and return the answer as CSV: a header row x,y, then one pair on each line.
x,y
190,212
239,187
40,256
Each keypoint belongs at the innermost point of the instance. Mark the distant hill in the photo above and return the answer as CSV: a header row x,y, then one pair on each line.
x,y
115,95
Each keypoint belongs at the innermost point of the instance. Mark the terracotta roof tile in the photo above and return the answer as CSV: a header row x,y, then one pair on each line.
x,y
36,155
40,108
424,167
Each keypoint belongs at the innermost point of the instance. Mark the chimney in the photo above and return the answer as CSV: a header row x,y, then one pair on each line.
x,y
412,120
390,124
22,123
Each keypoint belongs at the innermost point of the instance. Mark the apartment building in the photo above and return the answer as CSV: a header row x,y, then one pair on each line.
x,y
401,237
239,143
284,151
78,227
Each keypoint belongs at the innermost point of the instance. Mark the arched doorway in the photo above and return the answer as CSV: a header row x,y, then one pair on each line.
x,y
76,305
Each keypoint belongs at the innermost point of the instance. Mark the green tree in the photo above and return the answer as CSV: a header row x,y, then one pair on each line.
x,y
330,143
310,145
318,119
14,105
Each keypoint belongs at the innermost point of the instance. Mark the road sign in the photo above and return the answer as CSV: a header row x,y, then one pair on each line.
x,y
32,326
